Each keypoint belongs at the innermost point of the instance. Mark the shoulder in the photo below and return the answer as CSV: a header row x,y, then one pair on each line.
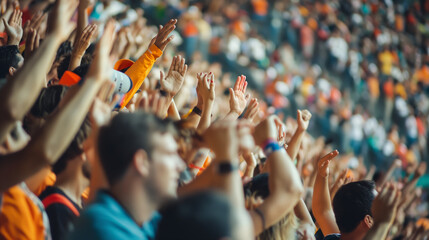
x,y
334,236
98,222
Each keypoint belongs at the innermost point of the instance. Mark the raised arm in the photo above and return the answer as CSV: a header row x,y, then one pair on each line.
x,y
207,85
81,44
395,164
141,68
384,208
303,118
19,94
321,204
237,98
55,135
284,181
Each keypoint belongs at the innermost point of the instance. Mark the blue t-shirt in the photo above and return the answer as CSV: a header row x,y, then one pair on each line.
x,y
107,219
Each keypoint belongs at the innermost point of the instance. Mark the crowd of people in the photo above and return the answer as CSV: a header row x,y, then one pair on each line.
x,y
227,119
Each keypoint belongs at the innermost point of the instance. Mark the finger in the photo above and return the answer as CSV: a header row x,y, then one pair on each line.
x,y
182,66
241,87
37,40
161,77
5,23
231,93
237,83
245,86
298,115
177,63
184,70
172,66
206,82
330,155
114,101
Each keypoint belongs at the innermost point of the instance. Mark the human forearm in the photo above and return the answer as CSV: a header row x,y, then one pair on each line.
x,y
19,94
231,116
321,206
82,22
173,113
61,127
205,117
295,143
377,231
302,213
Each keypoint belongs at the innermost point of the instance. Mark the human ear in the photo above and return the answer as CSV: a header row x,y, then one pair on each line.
x,y
12,70
141,162
369,221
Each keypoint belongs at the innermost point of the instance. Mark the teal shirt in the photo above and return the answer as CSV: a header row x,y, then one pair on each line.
x,y
107,219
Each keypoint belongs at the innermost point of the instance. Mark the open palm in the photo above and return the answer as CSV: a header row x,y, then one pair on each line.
x,y
237,96
14,28
175,77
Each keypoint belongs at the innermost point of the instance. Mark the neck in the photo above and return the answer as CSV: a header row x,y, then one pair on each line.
x,y
135,200
355,235
73,183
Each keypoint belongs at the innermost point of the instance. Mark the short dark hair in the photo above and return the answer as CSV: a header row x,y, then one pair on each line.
x,y
204,215
64,49
352,203
123,136
9,57
48,100
65,62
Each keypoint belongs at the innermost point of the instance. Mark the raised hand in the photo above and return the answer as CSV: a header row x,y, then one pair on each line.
x,y
237,96
59,19
85,40
153,103
323,164
206,87
252,110
340,181
32,43
384,206
34,23
222,138
102,64
267,129
303,118
14,28
172,83
101,109
162,39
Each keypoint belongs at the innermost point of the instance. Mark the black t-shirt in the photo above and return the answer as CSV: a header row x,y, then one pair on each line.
x,y
61,217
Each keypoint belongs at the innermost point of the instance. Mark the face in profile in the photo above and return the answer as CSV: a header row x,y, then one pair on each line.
x,y
165,167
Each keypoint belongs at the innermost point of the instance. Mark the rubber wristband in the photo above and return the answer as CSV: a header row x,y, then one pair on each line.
x,y
196,167
268,141
271,148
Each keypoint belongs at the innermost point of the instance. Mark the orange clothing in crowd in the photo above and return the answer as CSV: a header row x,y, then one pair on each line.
x,y
140,69
373,87
48,181
389,90
260,7
20,217
422,75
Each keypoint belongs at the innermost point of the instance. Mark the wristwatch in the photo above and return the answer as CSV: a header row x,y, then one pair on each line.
x,y
197,111
226,167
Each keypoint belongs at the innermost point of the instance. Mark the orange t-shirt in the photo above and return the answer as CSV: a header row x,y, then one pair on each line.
x,y
20,217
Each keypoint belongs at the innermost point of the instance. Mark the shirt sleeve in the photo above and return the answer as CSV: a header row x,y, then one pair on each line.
x,y
139,71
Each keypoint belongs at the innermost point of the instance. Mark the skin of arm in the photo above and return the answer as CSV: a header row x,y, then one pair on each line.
x,y
208,92
55,135
303,119
302,213
19,94
284,181
173,113
82,20
321,204
48,144
384,209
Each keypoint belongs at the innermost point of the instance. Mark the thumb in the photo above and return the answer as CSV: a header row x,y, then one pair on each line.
x,y
6,24
231,93
298,114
